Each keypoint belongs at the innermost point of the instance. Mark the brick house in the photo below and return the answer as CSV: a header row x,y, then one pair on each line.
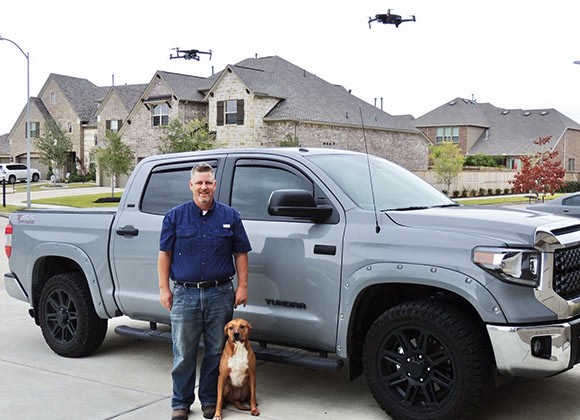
x,y
258,101
4,148
72,102
482,128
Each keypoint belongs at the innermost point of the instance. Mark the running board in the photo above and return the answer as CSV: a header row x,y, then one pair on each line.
x,y
262,353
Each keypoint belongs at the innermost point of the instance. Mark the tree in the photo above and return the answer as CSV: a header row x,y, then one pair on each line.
x,y
116,158
54,147
290,141
540,173
447,162
179,137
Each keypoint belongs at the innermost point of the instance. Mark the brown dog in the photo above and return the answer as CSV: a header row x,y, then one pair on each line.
x,y
237,379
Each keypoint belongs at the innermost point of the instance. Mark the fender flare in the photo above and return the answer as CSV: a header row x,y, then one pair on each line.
x,y
456,282
77,255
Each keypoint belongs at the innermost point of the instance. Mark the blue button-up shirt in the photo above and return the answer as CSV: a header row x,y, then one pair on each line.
x,y
203,245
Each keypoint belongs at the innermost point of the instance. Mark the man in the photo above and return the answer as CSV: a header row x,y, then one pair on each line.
x,y
197,241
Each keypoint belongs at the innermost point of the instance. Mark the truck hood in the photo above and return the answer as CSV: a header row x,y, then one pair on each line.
x,y
512,226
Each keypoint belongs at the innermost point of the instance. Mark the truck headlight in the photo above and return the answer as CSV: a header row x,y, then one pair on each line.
x,y
519,266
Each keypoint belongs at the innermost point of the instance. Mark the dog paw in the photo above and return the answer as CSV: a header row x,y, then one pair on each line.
x,y
255,412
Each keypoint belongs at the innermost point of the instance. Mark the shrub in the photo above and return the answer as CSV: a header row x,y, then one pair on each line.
x,y
481,191
498,191
444,192
455,193
571,186
464,192
507,190
484,160
489,191
473,192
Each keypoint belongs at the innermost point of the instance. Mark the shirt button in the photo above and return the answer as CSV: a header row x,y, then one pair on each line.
x,y
203,250
203,278
204,236
202,263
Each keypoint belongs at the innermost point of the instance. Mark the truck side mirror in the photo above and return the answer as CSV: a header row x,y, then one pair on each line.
x,y
297,203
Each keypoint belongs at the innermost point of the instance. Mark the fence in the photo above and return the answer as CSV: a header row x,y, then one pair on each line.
x,y
473,178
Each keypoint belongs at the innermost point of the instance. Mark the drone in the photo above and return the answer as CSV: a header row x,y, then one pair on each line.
x,y
391,19
188,54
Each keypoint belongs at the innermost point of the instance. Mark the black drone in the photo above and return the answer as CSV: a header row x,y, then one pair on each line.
x,y
391,18
188,54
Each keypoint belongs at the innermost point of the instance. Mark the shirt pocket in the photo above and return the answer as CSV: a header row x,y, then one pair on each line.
x,y
187,241
223,241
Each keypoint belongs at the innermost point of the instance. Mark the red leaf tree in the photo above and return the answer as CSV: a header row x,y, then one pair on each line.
x,y
540,173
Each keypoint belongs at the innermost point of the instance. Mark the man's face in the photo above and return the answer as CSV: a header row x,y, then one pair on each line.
x,y
203,186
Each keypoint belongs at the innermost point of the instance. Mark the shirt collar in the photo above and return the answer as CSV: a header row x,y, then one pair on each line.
x,y
200,211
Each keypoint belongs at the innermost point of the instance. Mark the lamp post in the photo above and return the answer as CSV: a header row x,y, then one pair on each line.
x,y
27,55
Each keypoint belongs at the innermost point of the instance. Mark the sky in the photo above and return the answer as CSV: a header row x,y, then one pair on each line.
x,y
513,54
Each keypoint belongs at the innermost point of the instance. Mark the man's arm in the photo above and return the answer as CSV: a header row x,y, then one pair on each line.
x,y
241,261
163,268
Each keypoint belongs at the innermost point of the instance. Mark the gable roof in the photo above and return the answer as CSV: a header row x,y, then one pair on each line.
x,y
82,95
509,131
40,106
306,97
185,87
128,94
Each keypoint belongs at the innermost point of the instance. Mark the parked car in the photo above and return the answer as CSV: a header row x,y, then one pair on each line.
x,y
13,172
566,205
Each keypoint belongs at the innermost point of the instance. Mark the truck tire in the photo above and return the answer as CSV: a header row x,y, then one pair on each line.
x,y
68,320
12,179
35,177
426,360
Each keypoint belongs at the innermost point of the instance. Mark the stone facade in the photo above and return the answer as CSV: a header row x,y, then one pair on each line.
x,y
568,147
252,133
112,109
140,134
409,150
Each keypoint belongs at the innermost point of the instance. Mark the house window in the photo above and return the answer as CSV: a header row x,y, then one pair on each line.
x,y
34,129
571,164
230,112
449,134
113,125
52,98
160,115
70,127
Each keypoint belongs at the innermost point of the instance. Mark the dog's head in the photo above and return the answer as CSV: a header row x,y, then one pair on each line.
x,y
237,330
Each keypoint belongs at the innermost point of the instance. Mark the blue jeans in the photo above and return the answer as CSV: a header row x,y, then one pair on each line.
x,y
196,312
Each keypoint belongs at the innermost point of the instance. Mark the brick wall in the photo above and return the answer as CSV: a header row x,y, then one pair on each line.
x,y
113,109
569,148
409,150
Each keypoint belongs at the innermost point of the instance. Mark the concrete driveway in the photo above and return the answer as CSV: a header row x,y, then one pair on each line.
x,y
127,379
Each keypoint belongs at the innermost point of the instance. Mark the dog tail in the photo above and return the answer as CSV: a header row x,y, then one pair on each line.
x,y
240,406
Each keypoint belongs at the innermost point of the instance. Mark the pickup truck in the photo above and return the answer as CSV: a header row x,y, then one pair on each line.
x,y
354,259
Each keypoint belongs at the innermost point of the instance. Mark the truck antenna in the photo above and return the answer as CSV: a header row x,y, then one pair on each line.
x,y
377,227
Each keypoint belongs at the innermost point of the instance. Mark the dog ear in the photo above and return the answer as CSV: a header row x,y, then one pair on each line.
x,y
249,326
226,329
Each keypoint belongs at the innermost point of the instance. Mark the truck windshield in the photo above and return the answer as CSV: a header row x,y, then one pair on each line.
x,y
395,188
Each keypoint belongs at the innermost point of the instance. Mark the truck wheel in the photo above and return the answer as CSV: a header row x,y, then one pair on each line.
x,y
68,320
35,177
425,359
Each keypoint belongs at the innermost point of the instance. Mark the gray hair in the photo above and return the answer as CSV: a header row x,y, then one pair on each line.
x,y
202,167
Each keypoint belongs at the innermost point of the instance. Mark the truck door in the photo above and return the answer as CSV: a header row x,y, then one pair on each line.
x,y
135,237
295,264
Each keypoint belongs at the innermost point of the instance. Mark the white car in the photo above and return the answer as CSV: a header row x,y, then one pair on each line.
x,y
12,172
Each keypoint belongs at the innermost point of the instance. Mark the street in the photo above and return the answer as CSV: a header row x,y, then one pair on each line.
x,y
127,379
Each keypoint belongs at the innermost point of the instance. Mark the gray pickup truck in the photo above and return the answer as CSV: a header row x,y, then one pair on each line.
x,y
354,259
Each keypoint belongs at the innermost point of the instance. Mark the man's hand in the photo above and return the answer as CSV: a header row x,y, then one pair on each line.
x,y
241,296
166,298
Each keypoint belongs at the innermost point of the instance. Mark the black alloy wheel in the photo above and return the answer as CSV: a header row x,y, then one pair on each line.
x,y
426,360
68,320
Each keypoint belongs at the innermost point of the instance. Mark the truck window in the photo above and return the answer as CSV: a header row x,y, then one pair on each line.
x,y
166,190
252,186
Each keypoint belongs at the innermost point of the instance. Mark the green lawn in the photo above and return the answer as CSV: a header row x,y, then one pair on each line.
x,y
78,200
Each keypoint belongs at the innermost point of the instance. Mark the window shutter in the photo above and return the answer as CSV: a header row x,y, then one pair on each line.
x,y
240,117
37,129
108,125
25,129
220,112
119,122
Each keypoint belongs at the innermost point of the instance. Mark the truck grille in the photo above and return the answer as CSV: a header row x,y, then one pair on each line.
x,y
567,272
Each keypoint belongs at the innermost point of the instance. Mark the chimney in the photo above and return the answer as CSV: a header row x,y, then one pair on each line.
x,y
113,79
381,103
375,102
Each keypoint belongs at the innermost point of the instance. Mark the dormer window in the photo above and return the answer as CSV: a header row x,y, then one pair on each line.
x,y
160,115
447,134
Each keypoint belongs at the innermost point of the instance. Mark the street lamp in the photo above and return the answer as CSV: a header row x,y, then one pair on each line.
x,y
27,55
577,62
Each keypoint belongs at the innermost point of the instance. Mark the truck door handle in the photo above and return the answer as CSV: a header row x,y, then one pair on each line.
x,y
325,249
565,211
128,230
